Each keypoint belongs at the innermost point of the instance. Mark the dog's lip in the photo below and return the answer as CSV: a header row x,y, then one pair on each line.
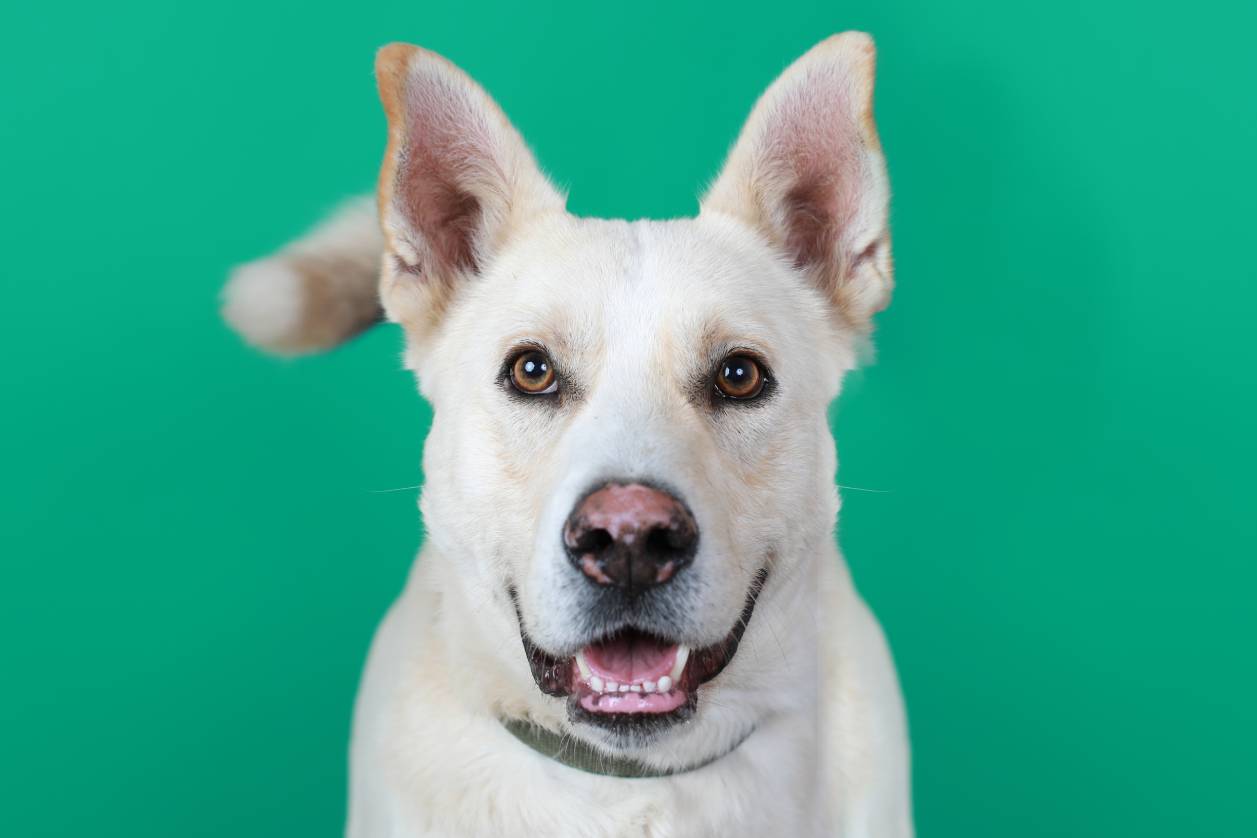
x,y
557,675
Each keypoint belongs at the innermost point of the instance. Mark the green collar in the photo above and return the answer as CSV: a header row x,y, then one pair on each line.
x,y
584,757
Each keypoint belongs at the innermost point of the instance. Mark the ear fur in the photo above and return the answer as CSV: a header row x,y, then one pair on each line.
x,y
457,178
808,173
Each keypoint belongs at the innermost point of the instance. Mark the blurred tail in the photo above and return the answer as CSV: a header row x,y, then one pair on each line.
x,y
317,292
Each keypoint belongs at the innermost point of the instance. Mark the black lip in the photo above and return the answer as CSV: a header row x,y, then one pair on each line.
x,y
634,727
554,674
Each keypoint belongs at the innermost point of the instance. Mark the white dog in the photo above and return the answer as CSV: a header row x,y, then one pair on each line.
x,y
630,617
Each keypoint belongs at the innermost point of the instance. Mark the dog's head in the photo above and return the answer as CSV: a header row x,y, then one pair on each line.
x,y
630,441
630,450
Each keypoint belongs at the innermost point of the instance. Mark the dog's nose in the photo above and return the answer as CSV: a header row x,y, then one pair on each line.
x,y
631,536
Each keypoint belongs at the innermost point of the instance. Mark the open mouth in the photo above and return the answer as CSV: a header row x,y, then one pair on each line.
x,y
631,672
631,677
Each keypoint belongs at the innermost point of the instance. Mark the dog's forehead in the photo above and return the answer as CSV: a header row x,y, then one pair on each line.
x,y
586,280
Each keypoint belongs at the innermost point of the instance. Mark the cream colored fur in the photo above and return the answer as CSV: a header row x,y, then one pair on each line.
x,y
789,256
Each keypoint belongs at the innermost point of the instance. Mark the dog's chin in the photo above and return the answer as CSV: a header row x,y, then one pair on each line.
x,y
635,685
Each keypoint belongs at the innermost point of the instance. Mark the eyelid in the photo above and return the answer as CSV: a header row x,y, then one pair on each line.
x,y
523,347
757,357
518,347
732,350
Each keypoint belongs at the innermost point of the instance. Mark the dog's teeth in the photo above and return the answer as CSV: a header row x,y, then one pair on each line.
x,y
582,666
683,655
663,685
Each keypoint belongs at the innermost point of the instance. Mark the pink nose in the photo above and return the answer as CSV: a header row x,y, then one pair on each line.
x,y
631,536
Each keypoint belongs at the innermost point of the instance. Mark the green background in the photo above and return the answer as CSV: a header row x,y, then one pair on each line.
x,y
198,541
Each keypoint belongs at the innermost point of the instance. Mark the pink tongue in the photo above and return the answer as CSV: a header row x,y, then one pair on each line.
x,y
631,658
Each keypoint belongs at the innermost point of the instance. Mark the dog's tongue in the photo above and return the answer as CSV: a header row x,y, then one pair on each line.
x,y
631,658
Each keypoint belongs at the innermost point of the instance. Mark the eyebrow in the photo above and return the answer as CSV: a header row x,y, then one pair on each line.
x,y
717,339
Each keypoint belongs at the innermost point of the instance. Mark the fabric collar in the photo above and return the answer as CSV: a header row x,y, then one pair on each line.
x,y
584,757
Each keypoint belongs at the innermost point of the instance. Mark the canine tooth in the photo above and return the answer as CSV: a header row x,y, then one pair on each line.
x,y
665,684
683,655
625,688
613,687
596,683
636,688
649,686
582,666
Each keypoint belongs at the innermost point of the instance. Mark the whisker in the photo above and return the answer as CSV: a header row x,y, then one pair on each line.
x,y
398,489
862,489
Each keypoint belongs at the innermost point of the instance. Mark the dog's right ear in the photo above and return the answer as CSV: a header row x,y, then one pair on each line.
x,y
457,181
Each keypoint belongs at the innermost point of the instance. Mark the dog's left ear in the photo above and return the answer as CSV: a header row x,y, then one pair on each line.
x,y
808,173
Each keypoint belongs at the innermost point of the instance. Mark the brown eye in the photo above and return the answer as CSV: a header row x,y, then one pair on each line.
x,y
740,377
532,373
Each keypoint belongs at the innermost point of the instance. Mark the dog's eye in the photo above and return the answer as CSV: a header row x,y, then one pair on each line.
x,y
740,377
532,373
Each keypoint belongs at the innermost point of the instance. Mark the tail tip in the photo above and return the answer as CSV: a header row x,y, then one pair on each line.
x,y
263,302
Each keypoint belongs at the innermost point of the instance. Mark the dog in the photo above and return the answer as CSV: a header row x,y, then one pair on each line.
x,y
630,616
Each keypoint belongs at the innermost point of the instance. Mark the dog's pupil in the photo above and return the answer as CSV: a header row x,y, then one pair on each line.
x,y
736,374
534,367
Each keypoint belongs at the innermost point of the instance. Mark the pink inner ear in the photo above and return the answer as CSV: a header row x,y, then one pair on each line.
x,y
810,212
816,148
445,215
444,153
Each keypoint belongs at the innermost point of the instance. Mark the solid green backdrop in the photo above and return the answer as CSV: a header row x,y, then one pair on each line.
x,y
1055,453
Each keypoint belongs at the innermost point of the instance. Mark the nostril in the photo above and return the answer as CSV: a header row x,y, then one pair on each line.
x,y
667,542
594,541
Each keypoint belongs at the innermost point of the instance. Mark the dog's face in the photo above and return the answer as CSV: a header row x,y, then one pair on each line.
x,y
630,441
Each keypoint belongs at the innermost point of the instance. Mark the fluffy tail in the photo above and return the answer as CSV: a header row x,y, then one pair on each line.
x,y
317,292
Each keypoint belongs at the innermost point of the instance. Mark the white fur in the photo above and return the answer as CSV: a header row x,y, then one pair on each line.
x,y
632,314
262,301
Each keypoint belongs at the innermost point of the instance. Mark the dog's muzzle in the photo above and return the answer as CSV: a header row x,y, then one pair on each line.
x,y
630,542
